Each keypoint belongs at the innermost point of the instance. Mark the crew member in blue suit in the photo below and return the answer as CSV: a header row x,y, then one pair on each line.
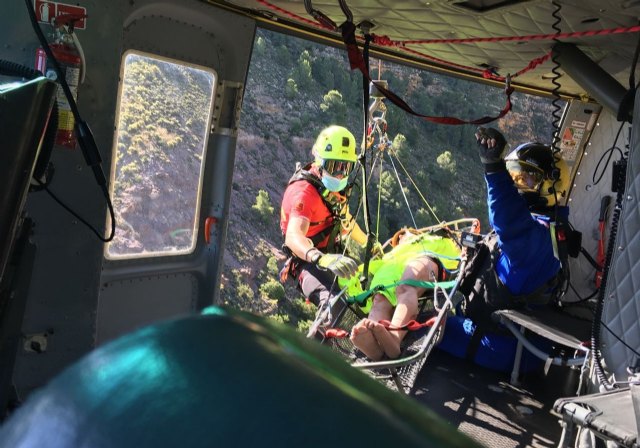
x,y
523,260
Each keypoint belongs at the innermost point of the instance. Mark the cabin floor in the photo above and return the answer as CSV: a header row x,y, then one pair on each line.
x,y
482,404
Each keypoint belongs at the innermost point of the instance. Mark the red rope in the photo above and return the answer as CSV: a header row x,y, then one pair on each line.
x,y
488,74
412,325
384,40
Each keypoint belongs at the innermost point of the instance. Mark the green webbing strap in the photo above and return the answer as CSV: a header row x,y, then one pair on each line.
x,y
362,297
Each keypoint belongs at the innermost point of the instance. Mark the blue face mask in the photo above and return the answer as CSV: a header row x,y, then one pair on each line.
x,y
334,184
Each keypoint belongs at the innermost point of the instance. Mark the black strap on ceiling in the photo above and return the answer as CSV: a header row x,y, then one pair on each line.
x,y
356,61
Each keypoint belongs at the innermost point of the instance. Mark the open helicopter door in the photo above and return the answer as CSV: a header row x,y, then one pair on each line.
x,y
182,74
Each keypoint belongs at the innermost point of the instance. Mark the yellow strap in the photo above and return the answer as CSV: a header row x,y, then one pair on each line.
x,y
554,241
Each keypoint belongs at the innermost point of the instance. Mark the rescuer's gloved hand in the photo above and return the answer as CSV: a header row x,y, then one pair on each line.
x,y
339,265
491,145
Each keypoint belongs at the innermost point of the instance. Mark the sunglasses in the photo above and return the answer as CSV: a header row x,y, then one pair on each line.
x,y
337,167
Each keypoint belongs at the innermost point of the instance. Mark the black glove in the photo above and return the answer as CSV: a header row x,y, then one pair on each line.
x,y
491,145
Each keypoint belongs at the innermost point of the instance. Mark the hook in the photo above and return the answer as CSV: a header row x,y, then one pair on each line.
x,y
507,84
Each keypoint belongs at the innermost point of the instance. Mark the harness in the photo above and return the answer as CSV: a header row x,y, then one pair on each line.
x,y
333,205
484,292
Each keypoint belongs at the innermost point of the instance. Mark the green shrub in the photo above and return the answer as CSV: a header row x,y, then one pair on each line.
x,y
291,89
272,289
244,291
263,206
304,325
272,266
280,318
303,310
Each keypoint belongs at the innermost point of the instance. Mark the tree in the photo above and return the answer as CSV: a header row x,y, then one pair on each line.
x,y
302,72
263,206
291,89
259,46
334,107
398,143
445,161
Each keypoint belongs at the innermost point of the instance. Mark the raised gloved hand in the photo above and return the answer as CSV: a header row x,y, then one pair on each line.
x,y
491,145
339,265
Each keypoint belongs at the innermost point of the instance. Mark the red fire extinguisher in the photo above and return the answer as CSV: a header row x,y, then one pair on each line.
x,y
68,57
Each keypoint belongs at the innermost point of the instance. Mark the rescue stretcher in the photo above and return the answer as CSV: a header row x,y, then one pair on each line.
x,y
334,322
401,373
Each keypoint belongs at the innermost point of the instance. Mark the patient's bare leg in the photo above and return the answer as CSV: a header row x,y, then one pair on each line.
x,y
407,296
362,334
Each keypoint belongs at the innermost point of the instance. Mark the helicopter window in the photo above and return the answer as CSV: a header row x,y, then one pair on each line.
x,y
162,128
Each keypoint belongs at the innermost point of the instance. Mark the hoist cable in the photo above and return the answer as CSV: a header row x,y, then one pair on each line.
x,y
417,189
365,205
406,201
379,200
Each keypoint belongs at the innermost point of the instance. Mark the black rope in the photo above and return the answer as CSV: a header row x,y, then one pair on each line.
x,y
365,201
83,132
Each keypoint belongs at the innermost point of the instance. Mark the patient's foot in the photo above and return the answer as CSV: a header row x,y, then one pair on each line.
x,y
389,342
363,338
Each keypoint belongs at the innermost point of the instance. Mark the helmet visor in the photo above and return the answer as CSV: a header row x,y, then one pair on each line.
x,y
337,167
525,177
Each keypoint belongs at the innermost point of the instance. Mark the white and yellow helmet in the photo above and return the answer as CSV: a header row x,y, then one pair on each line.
x,y
542,177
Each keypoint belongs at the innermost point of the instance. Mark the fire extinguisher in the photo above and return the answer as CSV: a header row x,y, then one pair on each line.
x,y
70,61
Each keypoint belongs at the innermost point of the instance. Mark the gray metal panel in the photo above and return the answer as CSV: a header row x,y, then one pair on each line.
x,y
192,32
585,203
622,302
64,289
127,305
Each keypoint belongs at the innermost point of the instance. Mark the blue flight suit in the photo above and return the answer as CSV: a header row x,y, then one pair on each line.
x,y
527,260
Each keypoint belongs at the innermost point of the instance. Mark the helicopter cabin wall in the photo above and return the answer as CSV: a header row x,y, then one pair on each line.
x,y
592,180
59,319
77,297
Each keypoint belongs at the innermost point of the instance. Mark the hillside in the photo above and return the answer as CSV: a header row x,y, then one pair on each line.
x,y
288,100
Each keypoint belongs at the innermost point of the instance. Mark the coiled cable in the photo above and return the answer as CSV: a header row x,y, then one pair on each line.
x,y
595,328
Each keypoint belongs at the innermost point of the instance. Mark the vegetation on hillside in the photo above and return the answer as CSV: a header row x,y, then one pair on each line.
x,y
162,128
296,88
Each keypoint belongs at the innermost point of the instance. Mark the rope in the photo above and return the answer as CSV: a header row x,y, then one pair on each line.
x,y
384,40
357,61
388,42
417,189
406,201
487,73
412,325
379,200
